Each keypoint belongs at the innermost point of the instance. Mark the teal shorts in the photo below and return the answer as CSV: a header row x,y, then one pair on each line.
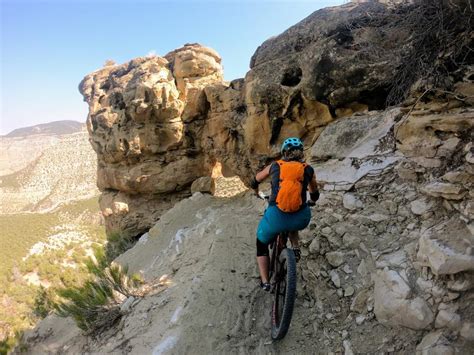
x,y
275,221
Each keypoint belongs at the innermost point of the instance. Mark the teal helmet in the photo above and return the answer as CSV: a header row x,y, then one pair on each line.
x,y
291,143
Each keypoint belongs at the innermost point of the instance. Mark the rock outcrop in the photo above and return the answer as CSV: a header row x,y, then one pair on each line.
x,y
145,121
159,123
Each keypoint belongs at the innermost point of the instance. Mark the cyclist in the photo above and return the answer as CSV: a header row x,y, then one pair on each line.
x,y
287,208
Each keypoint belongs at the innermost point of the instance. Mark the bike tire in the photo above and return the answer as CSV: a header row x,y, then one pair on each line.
x,y
282,313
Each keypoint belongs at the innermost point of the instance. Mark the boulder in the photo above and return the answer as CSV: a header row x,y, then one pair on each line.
x,y
423,135
351,202
143,126
356,137
395,303
421,206
335,258
434,343
447,248
462,282
448,318
204,184
445,190
467,331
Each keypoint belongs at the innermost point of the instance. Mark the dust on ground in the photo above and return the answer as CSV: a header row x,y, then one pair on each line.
x,y
201,258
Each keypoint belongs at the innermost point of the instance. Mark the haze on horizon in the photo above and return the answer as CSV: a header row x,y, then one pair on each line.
x,y
48,46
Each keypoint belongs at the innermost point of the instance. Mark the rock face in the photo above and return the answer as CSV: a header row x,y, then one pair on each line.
x,y
159,123
145,122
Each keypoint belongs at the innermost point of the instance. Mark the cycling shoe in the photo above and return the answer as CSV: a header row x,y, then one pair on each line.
x,y
265,286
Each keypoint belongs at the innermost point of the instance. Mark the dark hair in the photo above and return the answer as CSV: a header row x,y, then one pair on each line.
x,y
293,155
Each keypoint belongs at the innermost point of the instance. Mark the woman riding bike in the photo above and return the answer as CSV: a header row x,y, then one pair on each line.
x,y
288,209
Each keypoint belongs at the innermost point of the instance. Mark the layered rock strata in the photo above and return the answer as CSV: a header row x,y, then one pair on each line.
x,y
146,119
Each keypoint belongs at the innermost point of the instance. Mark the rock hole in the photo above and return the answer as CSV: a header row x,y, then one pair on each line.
x,y
291,77
276,124
147,97
94,123
116,100
126,145
376,99
241,109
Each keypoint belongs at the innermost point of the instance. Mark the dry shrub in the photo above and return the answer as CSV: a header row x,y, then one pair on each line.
x,y
433,40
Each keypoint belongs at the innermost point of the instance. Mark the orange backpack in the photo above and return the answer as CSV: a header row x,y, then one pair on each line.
x,y
291,185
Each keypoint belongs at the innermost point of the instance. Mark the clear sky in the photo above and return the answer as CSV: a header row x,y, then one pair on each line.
x,y
47,46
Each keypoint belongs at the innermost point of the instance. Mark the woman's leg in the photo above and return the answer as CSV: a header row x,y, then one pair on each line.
x,y
263,260
265,234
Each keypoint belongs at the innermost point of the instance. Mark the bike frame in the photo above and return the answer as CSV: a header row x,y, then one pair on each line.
x,y
276,247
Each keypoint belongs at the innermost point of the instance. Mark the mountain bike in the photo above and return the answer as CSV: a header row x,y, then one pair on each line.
x,y
282,272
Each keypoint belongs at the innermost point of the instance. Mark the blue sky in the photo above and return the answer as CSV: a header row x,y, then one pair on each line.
x,y
48,46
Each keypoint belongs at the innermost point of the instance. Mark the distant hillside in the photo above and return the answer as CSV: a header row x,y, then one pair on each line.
x,y
62,169
51,128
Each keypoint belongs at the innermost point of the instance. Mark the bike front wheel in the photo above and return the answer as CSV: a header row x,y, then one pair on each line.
x,y
285,294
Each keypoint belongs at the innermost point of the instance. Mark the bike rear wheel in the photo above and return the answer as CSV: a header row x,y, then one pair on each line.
x,y
285,294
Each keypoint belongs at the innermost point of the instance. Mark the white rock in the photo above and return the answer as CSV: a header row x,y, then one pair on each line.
x,y
326,231
445,190
350,240
359,303
446,248
127,304
421,206
448,319
347,269
351,202
470,158
434,344
347,347
362,268
360,319
467,331
335,278
394,306
335,258
395,259
378,217
348,291
462,282
343,174
314,246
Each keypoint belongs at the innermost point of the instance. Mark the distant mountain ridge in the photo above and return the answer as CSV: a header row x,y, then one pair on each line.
x,y
50,128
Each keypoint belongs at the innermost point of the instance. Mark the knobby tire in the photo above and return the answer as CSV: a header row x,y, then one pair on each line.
x,y
282,313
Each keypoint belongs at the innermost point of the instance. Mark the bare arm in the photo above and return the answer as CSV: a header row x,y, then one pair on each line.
x,y
262,175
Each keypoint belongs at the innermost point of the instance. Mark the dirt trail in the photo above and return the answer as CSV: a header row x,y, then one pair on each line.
x,y
203,250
